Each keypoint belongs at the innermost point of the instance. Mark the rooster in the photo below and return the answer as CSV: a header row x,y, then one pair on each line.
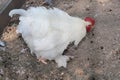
x,y
48,32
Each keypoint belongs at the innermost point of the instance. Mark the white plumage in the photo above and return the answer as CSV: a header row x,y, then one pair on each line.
x,y
48,32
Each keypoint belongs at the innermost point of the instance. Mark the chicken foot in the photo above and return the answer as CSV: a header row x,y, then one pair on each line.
x,y
43,60
62,60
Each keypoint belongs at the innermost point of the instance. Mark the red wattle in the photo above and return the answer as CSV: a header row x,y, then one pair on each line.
x,y
88,28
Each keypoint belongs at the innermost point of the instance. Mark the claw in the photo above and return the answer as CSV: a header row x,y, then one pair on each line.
x,y
71,57
43,60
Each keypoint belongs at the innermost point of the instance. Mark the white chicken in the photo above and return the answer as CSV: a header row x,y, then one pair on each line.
x,y
48,32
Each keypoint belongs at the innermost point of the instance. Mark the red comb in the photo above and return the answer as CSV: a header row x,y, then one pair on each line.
x,y
92,21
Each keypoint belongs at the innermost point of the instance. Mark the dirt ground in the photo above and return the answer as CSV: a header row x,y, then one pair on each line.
x,y
96,58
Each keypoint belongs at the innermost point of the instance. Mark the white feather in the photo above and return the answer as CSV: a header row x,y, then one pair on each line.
x,y
17,11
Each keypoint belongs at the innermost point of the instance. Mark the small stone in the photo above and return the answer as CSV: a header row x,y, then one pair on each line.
x,y
2,43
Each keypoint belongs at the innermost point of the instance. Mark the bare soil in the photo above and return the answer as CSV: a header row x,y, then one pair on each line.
x,y
96,58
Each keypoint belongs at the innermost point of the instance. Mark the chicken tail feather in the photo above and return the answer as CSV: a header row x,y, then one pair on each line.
x,y
21,12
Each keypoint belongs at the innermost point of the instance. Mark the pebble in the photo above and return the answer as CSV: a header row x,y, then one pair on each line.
x,y
2,43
